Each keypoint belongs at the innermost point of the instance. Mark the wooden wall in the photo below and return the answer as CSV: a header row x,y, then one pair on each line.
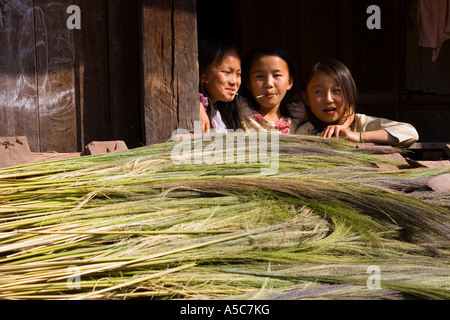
x,y
130,73
37,90
107,68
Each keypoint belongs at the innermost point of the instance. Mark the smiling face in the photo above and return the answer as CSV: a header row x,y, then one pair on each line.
x,y
325,98
269,80
223,80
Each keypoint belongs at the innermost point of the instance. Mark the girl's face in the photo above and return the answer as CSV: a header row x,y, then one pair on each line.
x,y
223,80
324,97
269,80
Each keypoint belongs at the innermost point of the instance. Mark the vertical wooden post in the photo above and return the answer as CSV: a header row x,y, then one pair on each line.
x,y
169,84
93,90
124,64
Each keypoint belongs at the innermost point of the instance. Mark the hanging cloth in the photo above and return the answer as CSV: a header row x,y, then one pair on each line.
x,y
434,24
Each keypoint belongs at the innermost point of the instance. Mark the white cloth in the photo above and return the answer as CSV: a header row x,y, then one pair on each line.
x,y
216,121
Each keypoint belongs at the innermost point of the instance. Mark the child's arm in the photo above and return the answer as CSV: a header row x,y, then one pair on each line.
x,y
377,136
206,126
379,130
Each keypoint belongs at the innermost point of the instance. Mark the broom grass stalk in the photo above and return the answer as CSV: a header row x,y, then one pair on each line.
x,y
133,233
99,294
352,219
174,251
403,286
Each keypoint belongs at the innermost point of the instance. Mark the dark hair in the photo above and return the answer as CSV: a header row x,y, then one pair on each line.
x,y
213,51
343,77
250,57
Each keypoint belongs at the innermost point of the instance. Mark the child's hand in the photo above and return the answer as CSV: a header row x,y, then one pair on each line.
x,y
350,136
333,131
340,131
204,119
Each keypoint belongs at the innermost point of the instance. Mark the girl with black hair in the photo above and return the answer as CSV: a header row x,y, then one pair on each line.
x,y
268,75
220,80
330,95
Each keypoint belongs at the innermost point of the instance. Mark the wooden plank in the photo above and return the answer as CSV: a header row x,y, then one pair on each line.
x,y
123,43
428,146
168,74
53,156
92,76
186,75
429,164
55,75
14,151
157,51
435,164
440,183
19,114
397,157
385,152
100,147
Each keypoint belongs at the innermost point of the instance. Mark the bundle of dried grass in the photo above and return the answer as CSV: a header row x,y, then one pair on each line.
x,y
135,224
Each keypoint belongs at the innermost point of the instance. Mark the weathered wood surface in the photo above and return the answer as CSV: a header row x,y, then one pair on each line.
x,y
131,72
36,74
14,151
19,110
124,64
53,156
169,67
91,47
55,75
100,147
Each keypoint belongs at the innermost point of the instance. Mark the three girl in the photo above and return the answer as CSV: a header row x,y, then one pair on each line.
x,y
330,94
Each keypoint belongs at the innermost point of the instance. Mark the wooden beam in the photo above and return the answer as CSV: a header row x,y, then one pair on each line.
x,y
428,146
101,147
14,151
93,95
169,83
123,43
186,63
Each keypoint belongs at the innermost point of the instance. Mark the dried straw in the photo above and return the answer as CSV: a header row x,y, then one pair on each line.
x,y
134,224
